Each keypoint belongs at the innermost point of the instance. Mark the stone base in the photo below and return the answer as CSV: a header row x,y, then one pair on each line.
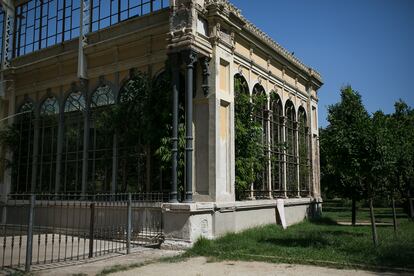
x,y
185,223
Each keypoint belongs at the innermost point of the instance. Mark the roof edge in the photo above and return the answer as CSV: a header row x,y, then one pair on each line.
x,y
249,26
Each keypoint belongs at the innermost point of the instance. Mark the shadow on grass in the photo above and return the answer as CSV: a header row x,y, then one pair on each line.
x,y
304,242
397,255
323,221
311,239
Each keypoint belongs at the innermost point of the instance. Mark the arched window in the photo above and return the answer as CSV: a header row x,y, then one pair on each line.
x,y
73,143
132,170
276,145
304,160
23,149
242,119
101,142
162,102
48,133
291,160
259,104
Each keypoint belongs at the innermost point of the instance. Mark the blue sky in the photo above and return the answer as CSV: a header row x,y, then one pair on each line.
x,y
366,43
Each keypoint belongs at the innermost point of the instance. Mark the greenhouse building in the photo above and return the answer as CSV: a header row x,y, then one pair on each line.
x,y
185,100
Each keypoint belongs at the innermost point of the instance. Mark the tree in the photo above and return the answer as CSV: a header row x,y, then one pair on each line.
x,y
343,146
402,128
383,159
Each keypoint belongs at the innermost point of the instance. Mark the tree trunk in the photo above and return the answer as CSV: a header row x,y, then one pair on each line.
x,y
353,211
410,205
373,224
394,216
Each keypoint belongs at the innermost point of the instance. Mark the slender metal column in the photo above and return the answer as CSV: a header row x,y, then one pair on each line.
x,y
296,130
114,163
268,114
284,178
310,142
86,133
35,155
175,89
308,160
190,59
29,243
59,149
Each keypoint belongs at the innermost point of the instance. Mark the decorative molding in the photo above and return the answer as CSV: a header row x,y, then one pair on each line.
x,y
205,65
181,20
240,69
227,8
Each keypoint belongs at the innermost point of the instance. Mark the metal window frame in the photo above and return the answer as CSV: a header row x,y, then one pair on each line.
x,y
304,163
100,152
260,116
64,16
291,151
23,168
276,144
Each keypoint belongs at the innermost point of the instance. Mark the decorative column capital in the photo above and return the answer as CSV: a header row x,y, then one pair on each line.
x,y
296,125
190,57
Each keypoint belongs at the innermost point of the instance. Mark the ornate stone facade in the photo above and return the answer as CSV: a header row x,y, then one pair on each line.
x,y
210,44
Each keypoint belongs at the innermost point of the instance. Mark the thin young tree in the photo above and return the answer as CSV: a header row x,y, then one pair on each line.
x,y
344,146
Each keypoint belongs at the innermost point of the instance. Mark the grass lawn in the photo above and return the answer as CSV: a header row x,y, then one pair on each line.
x,y
320,241
338,212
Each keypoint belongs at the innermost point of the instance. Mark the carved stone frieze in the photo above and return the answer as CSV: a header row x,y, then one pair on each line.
x,y
205,65
182,17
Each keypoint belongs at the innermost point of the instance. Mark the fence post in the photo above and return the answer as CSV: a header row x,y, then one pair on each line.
x,y
29,243
91,228
129,223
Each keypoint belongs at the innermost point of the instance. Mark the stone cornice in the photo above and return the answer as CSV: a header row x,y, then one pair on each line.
x,y
229,8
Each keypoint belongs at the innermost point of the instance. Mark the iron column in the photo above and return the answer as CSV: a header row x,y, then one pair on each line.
x,y
190,59
175,89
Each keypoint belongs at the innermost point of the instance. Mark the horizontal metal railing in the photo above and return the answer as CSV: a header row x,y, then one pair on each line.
x,y
53,228
265,194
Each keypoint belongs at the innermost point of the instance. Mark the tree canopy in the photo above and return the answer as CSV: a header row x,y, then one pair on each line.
x,y
367,156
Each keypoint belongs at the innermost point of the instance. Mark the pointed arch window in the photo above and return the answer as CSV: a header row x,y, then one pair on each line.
x,y
75,102
103,96
101,142
304,153
73,143
23,148
276,145
48,135
291,150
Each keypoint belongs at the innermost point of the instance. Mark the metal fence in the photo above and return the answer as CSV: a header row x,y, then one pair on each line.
x,y
44,229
